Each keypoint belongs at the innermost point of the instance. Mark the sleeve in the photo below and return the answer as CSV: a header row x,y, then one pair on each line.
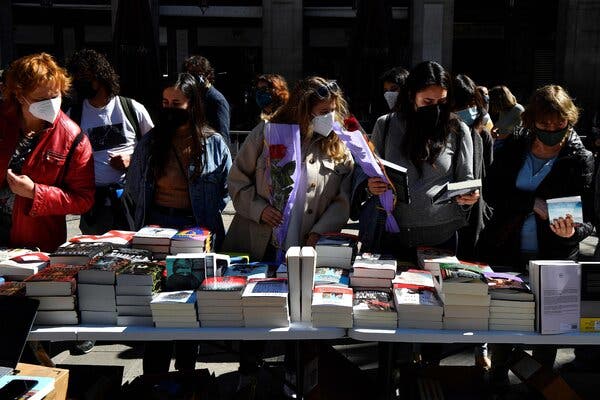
x,y
133,182
241,182
76,194
587,176
337,213
143,117
463,170
222,113
225,167
377,136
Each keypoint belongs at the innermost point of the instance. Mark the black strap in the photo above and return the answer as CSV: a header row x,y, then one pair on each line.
x,y
386,128
74,145
129,111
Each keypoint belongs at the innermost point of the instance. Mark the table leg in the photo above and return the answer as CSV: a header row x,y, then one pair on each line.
x,y
299,370
385,370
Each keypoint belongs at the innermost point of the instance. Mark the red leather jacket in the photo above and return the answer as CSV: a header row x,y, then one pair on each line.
x,y
40,222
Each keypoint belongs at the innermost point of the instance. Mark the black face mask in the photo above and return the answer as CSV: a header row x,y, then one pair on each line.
x,y
429,117
172,118
551,138
84,89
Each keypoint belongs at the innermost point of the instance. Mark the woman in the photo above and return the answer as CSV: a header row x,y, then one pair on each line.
x,y
505,113
322,204
177,178
270,93
436,148
547,160
47,170
178,172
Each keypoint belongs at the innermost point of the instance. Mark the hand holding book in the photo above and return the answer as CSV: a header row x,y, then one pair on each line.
x,y
468,199
563,227
377,186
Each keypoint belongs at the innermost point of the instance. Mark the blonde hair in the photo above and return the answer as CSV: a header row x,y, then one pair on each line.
x,y
298,110
547,102
25,74
501,99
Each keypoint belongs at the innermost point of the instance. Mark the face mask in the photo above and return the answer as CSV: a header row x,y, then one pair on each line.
x,y
428,117
84,89
263,98
551,138
468,115
46,110
323,124
391,98
172,118
486,98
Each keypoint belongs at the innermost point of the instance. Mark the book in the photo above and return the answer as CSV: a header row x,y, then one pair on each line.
x,y
43,386
506,286
479,324
431,253
116,237
131,290
55,280
174,300
56,318
415,279
134,320
22,264
108,318
8,254
123,300
331,276
154,235
56,303
133,255
143,310
462,279
447,192
372,301
196,237
528,305
79,253
418,324
102,270
363,281
92,297
336,250
281,271
222,287
293,262
308,261
248,270
12,289
185,271
464,299
374,268
417,300
141,274
270,292
331,299
466,311
561,206
398,176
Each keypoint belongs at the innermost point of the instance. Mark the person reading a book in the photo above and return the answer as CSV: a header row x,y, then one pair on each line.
x,y
177,179
546,160
322,201
435,147
46,164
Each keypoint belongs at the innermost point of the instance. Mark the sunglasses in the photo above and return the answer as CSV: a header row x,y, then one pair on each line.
x,y
324,91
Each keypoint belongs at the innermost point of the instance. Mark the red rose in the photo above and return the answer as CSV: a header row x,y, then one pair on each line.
x,y
351,124
277,151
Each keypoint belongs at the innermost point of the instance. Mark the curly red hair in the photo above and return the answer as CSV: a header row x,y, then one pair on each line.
x,y
278,88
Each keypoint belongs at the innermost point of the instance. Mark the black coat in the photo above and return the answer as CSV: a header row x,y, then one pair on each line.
x,y
571,175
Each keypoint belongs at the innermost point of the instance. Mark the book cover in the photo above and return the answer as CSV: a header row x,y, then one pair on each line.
x,y
448,191
153,234
336,296
331,276
267,286
223,283
414,279
416,297
185,271
196,234
133,255
141,274
8,254
398,175
121,238
561,206
79,253
12,289
57,273
373,300
178,297
248,270
503,285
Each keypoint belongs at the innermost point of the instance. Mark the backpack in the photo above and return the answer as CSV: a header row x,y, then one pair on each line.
x,y
128,110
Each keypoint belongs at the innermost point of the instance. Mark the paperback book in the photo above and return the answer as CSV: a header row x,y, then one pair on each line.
x,y
448,191
54,280
79,253
561,206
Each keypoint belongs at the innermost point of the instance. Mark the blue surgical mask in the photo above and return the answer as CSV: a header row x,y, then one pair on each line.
x,y
468,115
263,98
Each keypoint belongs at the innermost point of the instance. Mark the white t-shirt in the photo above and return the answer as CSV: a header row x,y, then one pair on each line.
x,y
110,133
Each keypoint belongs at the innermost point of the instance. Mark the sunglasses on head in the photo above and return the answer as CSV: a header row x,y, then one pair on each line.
x,y
325,90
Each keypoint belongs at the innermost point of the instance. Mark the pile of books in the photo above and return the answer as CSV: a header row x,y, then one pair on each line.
x,y
175,309
155,239
336,250
12,288
220,301
136,283
332,306
265,303
55,287
374,308
512,307
18,264
191,240
372,272
417,303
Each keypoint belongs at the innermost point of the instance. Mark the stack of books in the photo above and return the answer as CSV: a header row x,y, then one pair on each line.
x,y
136,283
12,289
220,301
155,239
18,264
55,287
332,306
118,238
79,253
417,303
175,309
369,272
374,308
512,307
96,291
265,303
336,250
191,240
464,292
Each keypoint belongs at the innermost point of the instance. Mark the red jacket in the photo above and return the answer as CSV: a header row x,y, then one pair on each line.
x,y
40,222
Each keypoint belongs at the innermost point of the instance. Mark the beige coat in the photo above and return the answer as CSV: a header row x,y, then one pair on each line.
x,y
327,205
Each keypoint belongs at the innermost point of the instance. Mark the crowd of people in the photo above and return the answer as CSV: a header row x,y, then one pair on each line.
x,y
106,159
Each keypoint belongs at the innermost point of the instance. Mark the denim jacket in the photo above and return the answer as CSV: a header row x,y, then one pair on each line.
x,y
208,191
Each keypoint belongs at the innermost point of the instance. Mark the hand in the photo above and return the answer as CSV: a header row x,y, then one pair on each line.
x,y
271,216
376,186
21,185
540,208
312,239
120,161
563,227
468,199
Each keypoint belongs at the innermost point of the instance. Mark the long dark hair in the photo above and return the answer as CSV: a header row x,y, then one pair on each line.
x,y
190,87
466,95
425,145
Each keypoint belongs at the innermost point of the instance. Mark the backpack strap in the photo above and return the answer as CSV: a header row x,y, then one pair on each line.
x,y
74,145
129,110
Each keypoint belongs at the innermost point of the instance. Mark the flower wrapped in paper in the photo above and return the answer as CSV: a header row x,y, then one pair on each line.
x,y
283,154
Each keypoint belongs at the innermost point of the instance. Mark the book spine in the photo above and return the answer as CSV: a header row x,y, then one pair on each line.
x,y
309,264
293,267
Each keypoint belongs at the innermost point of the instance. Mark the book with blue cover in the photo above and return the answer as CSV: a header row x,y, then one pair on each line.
x,y
249,270
561,206
331,276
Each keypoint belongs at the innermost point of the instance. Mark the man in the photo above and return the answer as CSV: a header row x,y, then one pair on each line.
x,y
216,106
114,124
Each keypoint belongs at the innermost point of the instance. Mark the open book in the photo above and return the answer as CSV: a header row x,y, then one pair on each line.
x,y
449,191
399,177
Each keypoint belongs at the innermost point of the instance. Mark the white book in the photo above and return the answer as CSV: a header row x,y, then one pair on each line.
x,y
15,271
220,317
96,297
418,324
295,284
133,300
513,316
371,268
308,257
225,324
49,303
56,318
516,310
126,290
561,206
99,318
331,298
134,320
168,324
465,299
421,316
447,192
134,310
479,324
466,311
513,304
369,282
154,235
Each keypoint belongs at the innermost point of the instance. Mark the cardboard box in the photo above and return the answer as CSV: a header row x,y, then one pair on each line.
x,y
61,378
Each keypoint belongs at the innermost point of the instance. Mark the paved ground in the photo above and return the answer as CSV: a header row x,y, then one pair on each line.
x,y
223,363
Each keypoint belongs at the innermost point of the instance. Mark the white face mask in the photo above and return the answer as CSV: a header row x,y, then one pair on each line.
x,y
323,124
391,98
46,109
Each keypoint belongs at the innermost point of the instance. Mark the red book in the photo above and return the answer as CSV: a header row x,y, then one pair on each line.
x,y
55,280
12,289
